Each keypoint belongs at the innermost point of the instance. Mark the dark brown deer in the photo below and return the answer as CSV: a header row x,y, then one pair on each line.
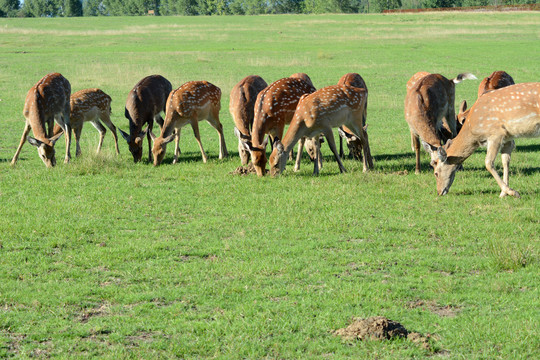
x,y
319,112
94,106
46,102
430,113
241,106
274,109
144,104
190,103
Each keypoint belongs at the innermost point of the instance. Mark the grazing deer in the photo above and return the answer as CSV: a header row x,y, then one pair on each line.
x,y
319,112
274,109
429,111
496,119
497,80
241,106
46,102
190,103
353,142
90,105
144,104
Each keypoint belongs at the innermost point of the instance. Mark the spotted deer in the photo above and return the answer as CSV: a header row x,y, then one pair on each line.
x,y
46,102
429,111
496,119
94,106
190,103
497,80
319,112
144,104
274,108
241,106
353,142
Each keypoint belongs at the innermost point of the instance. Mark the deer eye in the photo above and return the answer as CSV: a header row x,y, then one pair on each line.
x,y
436,174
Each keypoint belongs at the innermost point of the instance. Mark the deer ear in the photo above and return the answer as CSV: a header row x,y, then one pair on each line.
x,y
442,154
124,134
55,138
265,142
279,147
144,132
153,136
169,138
342,133
35,142
463,106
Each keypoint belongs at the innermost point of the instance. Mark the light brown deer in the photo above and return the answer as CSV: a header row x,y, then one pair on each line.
x,y
190,103
274,109
353,142
241,106
497,80
144,104
46,102
429,111
90,105
319,112
496,119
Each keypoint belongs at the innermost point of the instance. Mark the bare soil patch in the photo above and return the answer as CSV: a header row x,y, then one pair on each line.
x,y
102,310
244,170
381,328
442,311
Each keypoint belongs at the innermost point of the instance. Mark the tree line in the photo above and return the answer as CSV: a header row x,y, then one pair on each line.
x,y
53,8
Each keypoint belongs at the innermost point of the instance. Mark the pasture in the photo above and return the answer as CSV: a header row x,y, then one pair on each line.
x,y
111,259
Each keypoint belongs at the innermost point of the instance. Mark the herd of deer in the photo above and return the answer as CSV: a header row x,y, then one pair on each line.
x,y
503,111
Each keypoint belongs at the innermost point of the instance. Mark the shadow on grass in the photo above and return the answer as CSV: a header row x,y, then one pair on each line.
x,y
528,148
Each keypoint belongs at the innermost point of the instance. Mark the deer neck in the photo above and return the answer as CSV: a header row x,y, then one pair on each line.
x,y
462,146
296,131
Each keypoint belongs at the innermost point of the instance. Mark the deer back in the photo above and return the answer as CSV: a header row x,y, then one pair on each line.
x,y
86,101
189,98
513,111
147,99
353,79
497,80
275,106
242,102
48,97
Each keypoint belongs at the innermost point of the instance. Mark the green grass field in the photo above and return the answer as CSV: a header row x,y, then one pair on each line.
x,y
111,259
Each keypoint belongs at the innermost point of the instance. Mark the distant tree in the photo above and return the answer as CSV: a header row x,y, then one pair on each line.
x,y
381,5
73,8
9,7
39,8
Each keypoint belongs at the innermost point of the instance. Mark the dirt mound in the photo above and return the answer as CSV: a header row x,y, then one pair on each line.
x,y
381,328
245,170
373,328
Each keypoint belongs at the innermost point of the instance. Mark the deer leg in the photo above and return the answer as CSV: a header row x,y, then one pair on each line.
x,y
177,146
26,130
101,129
341,152
63,121
77,130
493,147
213,119
105,118
195,126
329,135
317,164
299,153
416,148
506,150
149,138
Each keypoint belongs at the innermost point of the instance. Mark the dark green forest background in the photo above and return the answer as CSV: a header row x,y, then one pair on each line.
x,y
50,8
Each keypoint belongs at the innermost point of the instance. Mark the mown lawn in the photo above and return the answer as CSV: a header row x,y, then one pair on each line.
x,y
111,259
